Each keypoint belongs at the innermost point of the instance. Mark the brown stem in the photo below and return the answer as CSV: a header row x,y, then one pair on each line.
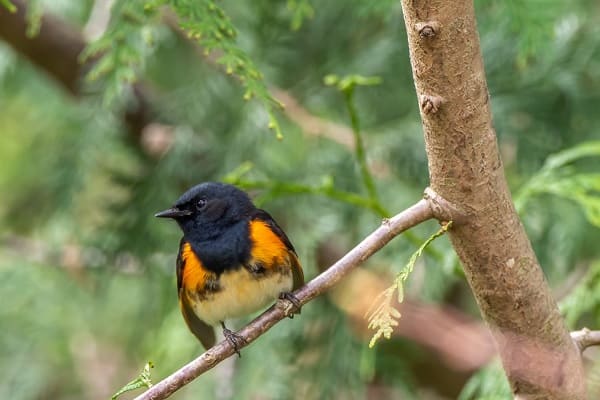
x,y
465,169
389,229
585,338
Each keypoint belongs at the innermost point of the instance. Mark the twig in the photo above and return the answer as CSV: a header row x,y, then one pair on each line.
x,y
585,338
326,190
285,188
359,147
389,229
311,124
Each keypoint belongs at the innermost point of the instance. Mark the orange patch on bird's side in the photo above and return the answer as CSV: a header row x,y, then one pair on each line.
x,y
194,274
267,247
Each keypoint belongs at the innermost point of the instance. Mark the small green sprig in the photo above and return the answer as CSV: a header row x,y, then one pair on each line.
x,y
34,18
326,188
121,51
9,6
301,10
558,177
382,315
207,23
346,85
33,15
143,380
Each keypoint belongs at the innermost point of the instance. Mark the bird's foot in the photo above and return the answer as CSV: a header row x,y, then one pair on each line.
x,y
236,341
296,305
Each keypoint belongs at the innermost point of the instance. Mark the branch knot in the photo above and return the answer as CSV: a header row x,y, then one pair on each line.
x,y
430,104
442,209
427,29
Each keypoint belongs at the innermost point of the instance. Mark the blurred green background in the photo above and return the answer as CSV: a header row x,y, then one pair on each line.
x,y
87,276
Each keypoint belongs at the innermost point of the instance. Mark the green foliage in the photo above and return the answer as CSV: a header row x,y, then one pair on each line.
x,y
90,273
207,23
272,189
122,49
534,23
34,17
346,85
301,10
142,380
489,383
383,316
558,177
584,299
8,5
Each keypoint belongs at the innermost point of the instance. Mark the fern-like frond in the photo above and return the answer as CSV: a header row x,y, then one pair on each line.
x,y
207,23
122,49
143,380
382,315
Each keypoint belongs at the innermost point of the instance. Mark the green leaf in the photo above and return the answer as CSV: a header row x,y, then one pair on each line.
x,y
349,82
560,179
9,6
588,149
301,10
584,298
123,47
238,173
34,18
489,383
205,22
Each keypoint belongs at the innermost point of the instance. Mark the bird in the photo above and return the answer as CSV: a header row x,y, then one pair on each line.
x,y
233,260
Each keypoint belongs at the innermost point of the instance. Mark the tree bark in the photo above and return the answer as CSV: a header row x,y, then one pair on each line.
x,y
538,355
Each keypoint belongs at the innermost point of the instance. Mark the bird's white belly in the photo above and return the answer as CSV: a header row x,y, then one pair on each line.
x,y
241,293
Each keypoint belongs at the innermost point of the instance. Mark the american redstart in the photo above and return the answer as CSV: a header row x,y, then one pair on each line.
x,y
233,259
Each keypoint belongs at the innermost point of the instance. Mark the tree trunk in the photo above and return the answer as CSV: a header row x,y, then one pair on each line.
x,y
540,360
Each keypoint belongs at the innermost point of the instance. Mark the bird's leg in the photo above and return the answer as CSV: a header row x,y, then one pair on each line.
x,y
236,341
297,306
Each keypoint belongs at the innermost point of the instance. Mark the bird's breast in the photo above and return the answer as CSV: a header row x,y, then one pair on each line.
x,y
240,292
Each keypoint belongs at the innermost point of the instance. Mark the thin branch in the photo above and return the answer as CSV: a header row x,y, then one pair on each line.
x,y
359,147
284,188
311,124
389,229
585,338
435,327
327,190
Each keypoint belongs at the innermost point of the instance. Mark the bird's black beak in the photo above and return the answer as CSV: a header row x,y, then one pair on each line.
x,y
173,212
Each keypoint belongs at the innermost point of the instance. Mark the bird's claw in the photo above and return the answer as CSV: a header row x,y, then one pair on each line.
x,y
236,341
296,305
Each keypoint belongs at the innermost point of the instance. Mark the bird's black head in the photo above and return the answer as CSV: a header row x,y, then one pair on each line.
x,y
206,209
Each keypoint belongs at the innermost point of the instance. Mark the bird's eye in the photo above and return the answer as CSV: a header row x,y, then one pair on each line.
x,y
201,204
